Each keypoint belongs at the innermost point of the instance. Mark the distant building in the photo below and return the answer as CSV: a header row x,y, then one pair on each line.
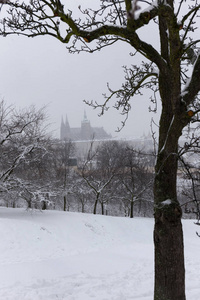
x,y
84,133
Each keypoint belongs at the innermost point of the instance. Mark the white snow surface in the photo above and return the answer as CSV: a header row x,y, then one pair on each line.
x,y
56,255
166,202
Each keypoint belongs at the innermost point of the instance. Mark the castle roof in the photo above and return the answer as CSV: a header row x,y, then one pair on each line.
x,y
85,132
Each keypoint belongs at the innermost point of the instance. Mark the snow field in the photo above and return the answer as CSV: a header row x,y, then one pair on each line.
x,y
55,255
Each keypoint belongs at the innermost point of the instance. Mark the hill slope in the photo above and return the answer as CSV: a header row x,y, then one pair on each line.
x,y
57,255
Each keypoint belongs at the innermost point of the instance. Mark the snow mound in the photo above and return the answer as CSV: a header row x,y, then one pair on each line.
x,y
55,255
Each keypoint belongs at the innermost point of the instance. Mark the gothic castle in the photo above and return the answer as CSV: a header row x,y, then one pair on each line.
x,y
85,132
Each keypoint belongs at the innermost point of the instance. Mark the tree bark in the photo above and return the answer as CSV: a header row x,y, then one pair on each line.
x,y
102,208
168,234
168,239
169,255
65,203
83,208
95,207
131,209
44,205
168,243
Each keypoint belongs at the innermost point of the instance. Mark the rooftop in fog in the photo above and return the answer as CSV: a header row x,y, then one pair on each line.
x,y
84,132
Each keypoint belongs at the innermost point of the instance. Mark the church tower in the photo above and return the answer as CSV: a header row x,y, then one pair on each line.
x,y
65,130
62,130
86,130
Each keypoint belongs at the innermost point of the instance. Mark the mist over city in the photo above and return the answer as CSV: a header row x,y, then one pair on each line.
x,y
41,72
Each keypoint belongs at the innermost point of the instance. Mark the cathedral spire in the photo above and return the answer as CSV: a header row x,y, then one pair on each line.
x,y
83,133
66,122
85,119
65,129
62,129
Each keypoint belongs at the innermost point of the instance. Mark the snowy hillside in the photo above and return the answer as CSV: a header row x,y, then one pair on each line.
x,y
55,255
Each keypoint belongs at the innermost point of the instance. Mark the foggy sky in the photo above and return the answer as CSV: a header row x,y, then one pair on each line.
x,y
40,71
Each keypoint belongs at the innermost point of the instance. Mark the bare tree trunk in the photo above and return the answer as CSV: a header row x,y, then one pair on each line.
x,y
168,234
95,207
169,257
131,209
44,205
83,207
102,208
65,203
169,252
29,204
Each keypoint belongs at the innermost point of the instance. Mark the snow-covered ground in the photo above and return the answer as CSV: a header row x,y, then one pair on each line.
x,y
55,255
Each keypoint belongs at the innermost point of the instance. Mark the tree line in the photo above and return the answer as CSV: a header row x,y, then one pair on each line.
x,y
110,178
38,171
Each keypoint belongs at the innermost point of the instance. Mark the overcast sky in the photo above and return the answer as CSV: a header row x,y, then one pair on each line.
x,y
40,71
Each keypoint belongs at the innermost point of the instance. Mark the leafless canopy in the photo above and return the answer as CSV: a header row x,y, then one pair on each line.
x,y
101,25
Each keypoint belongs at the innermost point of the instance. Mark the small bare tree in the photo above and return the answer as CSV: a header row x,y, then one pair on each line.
x,y
82,193
98,171
190,174
22,141
62,155
135,179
